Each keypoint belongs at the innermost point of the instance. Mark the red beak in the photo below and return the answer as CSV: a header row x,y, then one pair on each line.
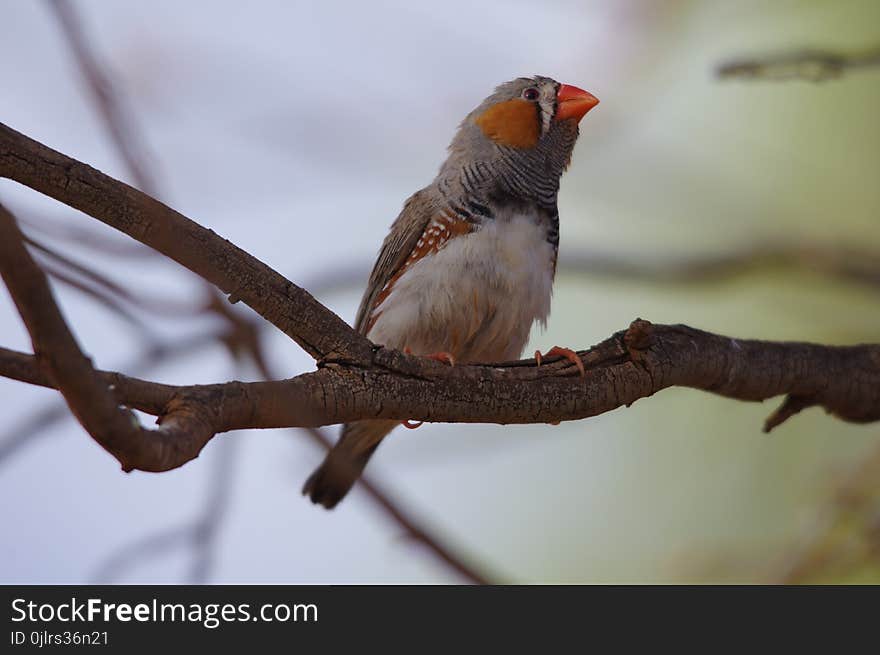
x,y
572,102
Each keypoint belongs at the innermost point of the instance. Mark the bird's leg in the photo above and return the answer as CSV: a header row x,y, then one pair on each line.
x,y
568,353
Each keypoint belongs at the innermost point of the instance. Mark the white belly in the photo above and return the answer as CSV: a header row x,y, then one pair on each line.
x,y
477,297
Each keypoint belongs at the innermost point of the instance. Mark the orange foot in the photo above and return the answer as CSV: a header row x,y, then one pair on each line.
x,y
440,357
568,353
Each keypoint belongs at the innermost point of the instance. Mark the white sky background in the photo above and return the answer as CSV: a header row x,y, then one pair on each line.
x,y
296,130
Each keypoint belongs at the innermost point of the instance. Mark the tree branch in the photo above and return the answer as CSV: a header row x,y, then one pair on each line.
x,y
851,264
198,533
291,309
89,398
808,64
29,429
632,364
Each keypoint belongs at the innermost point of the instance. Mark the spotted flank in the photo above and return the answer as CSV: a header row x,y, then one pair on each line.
x,y
439,231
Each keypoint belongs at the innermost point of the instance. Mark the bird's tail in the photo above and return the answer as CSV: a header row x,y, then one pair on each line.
x,y
346,461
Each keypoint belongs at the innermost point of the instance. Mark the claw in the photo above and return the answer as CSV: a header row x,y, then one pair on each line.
x,y
411,425
568,353
442,357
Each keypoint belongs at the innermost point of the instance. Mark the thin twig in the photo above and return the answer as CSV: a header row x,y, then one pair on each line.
x,y
152,304
112,244
101,297
809,64
120,123
413,526
850,264
199,533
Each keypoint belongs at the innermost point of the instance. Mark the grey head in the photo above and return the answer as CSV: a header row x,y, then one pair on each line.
x,y
517,142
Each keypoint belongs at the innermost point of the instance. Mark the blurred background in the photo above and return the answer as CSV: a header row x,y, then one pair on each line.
x,y
746,203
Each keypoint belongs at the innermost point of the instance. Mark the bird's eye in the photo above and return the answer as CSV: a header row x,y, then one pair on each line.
x,y
531,93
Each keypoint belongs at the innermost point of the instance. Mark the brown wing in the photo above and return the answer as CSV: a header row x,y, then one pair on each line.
x,y
421,229
405,233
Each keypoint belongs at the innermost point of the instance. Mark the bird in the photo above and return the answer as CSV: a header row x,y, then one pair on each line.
x,y
468,265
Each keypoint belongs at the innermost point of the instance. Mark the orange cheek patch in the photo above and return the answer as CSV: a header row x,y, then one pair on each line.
x,y
512,123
